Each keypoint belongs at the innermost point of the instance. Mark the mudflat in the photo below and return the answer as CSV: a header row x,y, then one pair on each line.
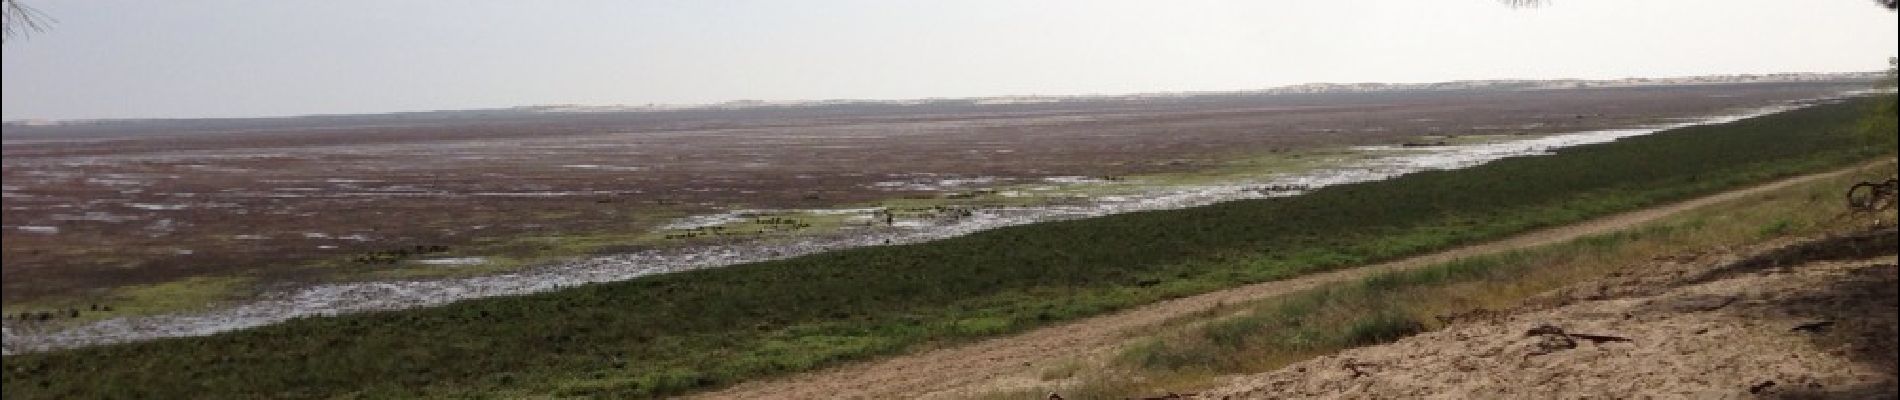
x,y
94,207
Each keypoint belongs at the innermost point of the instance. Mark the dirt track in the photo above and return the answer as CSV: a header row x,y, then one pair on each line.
x,y
995,363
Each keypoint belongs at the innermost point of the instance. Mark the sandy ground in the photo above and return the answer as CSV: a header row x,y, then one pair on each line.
x,y
1814,319
1009,361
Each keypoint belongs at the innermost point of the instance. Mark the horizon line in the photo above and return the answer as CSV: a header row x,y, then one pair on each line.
x,y
758,103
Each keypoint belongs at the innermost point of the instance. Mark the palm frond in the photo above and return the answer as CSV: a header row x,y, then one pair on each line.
x,y
20,20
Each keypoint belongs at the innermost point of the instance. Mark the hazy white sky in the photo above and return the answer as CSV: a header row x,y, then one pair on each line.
x,y
186,58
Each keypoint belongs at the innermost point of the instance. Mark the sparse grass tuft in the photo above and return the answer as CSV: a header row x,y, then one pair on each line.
x,y
183,295
1064,369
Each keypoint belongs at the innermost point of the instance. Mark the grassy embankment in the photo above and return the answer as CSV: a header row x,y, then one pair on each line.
x,y
1192,353
701,329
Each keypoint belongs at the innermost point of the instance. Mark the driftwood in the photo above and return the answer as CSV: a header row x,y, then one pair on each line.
x,y
1554,339
1869,196
1548,329
1359,369
1814,327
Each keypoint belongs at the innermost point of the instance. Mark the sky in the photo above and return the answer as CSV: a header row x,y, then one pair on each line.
x,y
193,58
